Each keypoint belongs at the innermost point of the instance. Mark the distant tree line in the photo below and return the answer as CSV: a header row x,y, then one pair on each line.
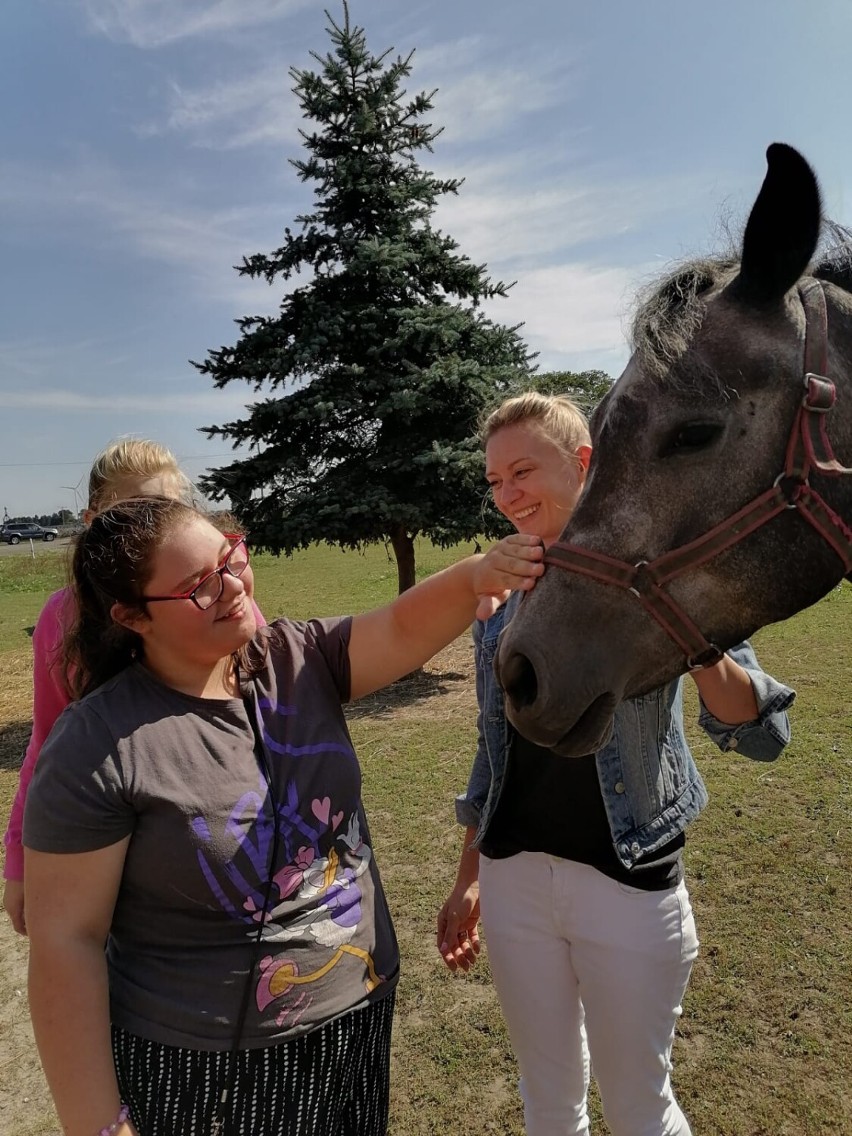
x,y
62,517
586,388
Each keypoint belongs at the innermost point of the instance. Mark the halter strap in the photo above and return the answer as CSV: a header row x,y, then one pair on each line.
x,y
809,445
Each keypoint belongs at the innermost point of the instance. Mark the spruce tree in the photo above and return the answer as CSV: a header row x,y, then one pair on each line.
x,y
377,367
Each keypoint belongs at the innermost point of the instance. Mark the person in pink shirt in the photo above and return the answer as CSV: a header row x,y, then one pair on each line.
x,y
130,467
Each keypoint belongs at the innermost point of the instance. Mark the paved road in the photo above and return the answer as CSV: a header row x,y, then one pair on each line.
x,y
23,549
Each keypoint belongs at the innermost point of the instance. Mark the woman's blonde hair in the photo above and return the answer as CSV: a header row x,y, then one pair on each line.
x,y
556,415
134,458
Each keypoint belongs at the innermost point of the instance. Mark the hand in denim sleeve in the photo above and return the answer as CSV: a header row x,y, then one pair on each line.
x,y
763,738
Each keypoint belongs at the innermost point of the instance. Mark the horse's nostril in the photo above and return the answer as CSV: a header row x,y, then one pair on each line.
x,y
517,676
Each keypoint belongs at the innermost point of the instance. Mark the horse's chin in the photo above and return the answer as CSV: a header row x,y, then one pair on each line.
x,y
579,743
591,731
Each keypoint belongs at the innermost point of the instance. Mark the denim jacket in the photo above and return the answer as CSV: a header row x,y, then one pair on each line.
x,y
651,787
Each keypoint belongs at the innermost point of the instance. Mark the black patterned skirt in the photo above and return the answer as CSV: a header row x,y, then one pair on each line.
x,y
332,1081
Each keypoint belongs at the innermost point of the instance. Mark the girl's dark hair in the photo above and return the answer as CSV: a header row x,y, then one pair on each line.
x,y
113,562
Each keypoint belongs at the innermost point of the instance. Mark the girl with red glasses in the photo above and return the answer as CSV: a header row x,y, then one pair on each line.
x,y
199,810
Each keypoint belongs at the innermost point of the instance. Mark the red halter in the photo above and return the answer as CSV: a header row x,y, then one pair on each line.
x,y
808,448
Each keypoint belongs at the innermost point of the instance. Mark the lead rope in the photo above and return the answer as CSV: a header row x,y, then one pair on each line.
x,y
217,1127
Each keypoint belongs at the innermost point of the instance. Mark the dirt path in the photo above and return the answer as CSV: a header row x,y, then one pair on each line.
x,y
25,1106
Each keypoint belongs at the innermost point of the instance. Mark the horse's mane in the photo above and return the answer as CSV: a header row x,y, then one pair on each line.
x,y
835,263
671,309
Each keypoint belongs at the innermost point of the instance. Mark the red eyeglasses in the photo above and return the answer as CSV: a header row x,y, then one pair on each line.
x,y
210,587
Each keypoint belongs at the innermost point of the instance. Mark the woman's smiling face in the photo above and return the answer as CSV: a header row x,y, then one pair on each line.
x,y
177,630
534,483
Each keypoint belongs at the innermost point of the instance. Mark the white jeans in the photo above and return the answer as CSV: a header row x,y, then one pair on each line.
x,y
576,956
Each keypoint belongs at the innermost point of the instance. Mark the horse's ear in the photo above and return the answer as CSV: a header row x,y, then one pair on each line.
x,y
783,228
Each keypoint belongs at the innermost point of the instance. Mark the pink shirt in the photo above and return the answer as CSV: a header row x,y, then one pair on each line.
x,y
49,700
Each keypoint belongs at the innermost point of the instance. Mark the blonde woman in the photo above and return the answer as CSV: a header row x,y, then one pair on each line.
x,y
199,809
577,863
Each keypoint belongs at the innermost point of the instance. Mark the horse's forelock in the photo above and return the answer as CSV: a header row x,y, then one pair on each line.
x,y
671,311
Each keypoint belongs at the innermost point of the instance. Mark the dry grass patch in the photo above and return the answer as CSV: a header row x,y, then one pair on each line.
x,y
16,697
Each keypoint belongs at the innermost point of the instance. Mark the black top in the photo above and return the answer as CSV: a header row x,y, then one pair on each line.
x,y
554,805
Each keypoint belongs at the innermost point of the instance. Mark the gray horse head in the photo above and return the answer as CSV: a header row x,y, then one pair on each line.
x,y
695,429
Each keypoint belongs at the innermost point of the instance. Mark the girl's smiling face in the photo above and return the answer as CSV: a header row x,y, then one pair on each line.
x,y
176,633
534,482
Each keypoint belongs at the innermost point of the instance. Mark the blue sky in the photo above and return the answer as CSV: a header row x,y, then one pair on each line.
x,y
144,147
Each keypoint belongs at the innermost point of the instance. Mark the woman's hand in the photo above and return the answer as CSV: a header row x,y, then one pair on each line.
x,y
514,564
458,927
13,903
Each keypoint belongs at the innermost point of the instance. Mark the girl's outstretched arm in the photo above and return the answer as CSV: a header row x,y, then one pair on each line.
x,y
392,641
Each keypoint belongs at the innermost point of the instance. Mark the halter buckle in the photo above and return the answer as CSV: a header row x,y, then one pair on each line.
x,y
820,393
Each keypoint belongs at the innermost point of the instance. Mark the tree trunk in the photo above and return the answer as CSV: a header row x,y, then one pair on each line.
x,y
403,550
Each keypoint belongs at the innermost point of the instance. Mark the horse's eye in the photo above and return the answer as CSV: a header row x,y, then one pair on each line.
x,y
690,438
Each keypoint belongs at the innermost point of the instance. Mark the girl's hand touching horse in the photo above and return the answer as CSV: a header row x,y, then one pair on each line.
x,y
514,564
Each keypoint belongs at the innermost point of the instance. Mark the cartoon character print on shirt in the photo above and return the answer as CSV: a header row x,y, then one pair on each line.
x,y
331,916
315,897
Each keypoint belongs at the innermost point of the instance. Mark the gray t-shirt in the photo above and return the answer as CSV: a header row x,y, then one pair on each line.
x,y
181,777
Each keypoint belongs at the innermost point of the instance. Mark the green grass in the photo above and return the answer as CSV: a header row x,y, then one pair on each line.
x,y
319,581
23,575
765,1044
25,583
324,581
770,1005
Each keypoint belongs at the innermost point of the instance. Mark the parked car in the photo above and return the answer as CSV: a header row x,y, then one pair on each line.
x,y
15,533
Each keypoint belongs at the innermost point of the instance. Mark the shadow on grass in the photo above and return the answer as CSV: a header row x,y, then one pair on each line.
x,y
408,691
13,742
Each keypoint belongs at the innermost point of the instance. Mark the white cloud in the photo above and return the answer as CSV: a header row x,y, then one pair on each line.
x,y
203,243
569,305
474,102
157,23
573,314
484,104
62,399
518,223
70,377
258,110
